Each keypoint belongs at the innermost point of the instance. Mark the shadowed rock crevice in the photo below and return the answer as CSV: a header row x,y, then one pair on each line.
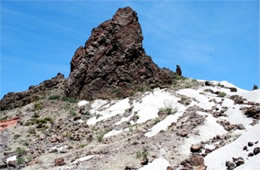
x,y
113,62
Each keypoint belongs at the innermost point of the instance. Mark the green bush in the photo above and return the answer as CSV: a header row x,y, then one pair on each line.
x,y
100,135
54,97
142,154
221,94
69,99
20,160
38,106
20,152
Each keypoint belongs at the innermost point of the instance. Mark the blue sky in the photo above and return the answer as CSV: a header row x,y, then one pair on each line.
x,y
211,40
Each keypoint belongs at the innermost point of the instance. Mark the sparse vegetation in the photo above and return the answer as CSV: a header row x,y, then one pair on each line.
x,y
20,151
3,117
20,160
168,110
157,120
38,106
69,99
143,88
221,94
185,100
54,97
100,135
142,154
72,112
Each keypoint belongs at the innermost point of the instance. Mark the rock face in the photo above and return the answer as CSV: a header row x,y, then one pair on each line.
x,y
13,100
113,62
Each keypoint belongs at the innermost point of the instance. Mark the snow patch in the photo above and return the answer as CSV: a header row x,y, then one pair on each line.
x,y
113,133
149,107
208,130
164,124
12,158
202,101
235,149
82,159
159,163
82,103
105,110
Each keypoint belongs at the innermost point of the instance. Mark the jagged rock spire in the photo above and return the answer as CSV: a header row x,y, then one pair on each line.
x,y
113,62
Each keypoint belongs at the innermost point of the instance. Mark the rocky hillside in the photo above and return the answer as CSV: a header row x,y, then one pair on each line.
x,y
118,110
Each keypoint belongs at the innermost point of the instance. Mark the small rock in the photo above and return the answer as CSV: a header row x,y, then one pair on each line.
x,y
250,154
59,162
240,127
130,168
144,161
182,133
245,148
250,144
238,161
230,165
201,167
11,163
256,150
197,160
195,147
207,83
169,168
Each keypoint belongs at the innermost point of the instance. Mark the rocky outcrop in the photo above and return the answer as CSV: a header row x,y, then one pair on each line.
x,y
113,62
13,100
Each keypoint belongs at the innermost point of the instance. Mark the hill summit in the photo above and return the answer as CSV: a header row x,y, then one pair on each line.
x,y
113,61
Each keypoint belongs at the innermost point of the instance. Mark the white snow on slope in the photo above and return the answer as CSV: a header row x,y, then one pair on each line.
x,y
253,96
164,124
236,116
82,159
202,101
157,164
149,107
110,110
206,131
252,164
216,160
12,158
82,103
112,133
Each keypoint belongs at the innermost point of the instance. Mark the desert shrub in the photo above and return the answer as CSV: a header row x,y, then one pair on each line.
x,y
20,151
69,99
54,97
3,117
143,88
100,135
48,119
185,100
142,154
20,160
72,112
221,94
38,106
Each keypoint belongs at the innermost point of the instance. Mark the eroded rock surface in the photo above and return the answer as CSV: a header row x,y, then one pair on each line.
x,y
113,62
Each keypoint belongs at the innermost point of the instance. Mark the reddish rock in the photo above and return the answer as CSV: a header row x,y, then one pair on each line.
x,y
197,160
195,147
169,168
113,62
59,162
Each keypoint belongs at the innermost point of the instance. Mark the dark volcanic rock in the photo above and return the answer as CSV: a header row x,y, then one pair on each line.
x,y
113,62
253,111
13,100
